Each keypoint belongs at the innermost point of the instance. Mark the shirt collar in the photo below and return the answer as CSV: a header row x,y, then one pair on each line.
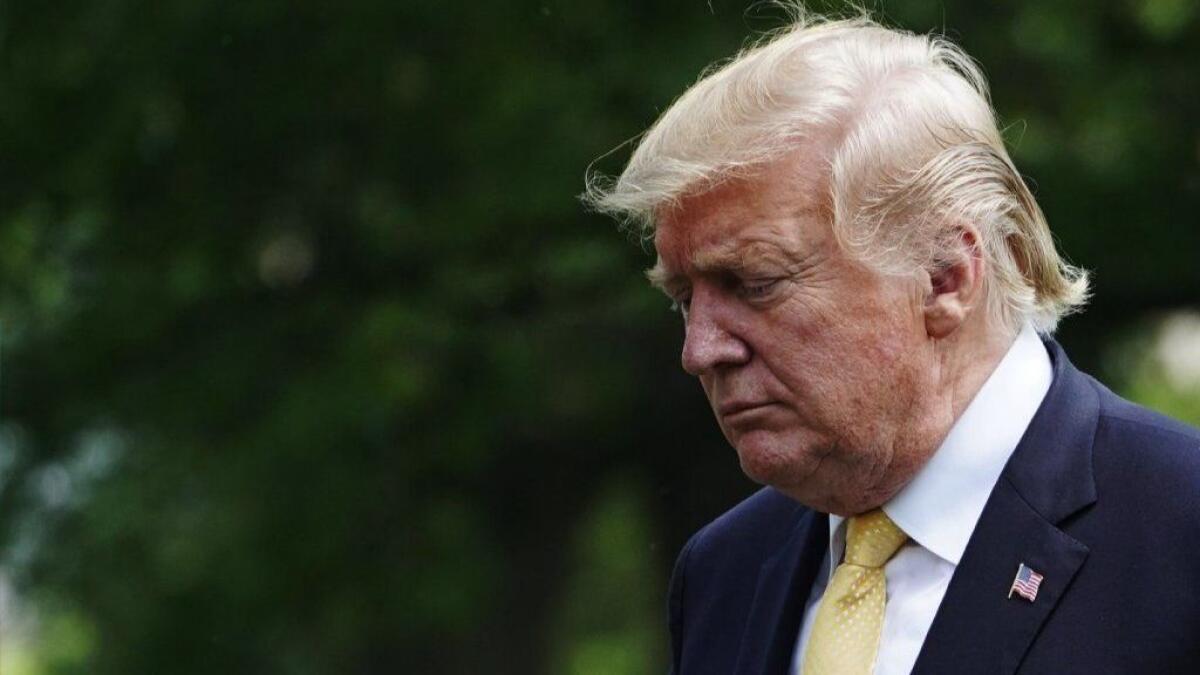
x,y
938,509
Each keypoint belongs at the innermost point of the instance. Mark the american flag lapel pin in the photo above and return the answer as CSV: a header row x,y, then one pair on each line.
x,y
1026,583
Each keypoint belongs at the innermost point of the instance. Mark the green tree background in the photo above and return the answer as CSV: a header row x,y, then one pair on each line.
x,y
312,362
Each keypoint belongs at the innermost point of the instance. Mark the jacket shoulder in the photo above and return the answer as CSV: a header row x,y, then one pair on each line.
x,y
754,528
1146,438
716,575
1149,464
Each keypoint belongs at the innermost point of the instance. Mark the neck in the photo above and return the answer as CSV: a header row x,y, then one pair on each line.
x,y
960,364
966,360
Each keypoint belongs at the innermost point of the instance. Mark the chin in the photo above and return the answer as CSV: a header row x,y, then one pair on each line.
x,y
770,460
790,464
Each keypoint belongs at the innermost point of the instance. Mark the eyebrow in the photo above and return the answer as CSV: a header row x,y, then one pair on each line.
x,y
728,258
663,278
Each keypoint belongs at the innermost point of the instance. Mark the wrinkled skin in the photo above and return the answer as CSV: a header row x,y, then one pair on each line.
x,y
822,372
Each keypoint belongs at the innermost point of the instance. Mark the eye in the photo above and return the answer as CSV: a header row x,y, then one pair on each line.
x,y
757,288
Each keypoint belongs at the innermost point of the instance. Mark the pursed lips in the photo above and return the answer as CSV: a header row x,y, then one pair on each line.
x,y
733,408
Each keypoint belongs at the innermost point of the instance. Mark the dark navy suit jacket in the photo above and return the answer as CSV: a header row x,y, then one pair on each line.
x,y
1101,497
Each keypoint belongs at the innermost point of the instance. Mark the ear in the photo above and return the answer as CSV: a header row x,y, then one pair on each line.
x,y
955,285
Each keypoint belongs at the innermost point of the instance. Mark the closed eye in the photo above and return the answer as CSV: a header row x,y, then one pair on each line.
x,y
757,288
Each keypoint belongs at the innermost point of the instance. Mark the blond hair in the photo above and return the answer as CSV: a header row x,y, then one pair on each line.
x,y
916,150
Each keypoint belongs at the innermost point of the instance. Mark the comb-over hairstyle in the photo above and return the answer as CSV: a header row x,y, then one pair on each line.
x,y
913,151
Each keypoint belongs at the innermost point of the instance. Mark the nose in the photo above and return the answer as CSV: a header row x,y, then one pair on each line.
x,y
709,339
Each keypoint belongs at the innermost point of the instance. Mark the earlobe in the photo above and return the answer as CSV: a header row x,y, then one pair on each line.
x,y
944,313
954,286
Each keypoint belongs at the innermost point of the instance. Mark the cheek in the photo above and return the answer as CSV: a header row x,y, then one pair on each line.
x,y
885,378
841,353
805,351
879,327
856,367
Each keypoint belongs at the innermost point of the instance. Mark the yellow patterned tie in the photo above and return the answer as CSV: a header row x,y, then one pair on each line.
x,y
845,634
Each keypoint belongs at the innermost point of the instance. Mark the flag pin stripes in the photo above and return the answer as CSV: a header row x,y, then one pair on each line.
x,y
1026,583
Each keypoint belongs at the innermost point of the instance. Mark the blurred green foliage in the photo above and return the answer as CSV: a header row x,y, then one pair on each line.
x,y
313,364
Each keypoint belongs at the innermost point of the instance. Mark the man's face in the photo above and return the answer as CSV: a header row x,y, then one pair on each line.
x,y
814,364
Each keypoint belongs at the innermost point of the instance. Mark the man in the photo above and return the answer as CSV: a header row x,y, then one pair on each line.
x,y
863,278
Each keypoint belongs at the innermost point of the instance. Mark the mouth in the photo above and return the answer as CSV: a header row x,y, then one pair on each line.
x,y
735,408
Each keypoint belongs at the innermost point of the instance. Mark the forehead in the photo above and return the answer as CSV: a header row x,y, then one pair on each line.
x,y
781,205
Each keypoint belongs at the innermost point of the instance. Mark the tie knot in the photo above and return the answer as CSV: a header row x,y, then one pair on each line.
x,y
872,539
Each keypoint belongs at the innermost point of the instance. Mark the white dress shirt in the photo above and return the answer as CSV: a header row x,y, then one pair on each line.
x,y
938,509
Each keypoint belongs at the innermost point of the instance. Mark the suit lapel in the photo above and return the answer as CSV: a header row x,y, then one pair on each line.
x,y
784,582
978,628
